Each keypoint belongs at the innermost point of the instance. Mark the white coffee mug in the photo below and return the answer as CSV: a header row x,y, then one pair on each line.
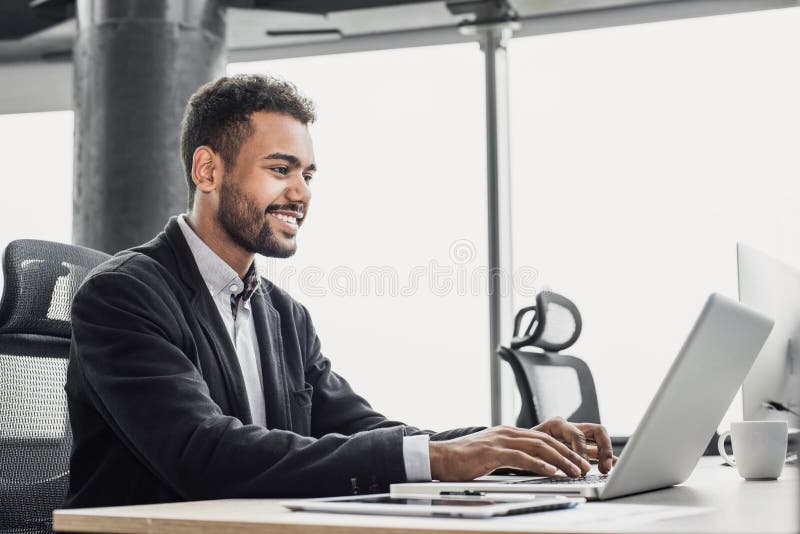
x,y
759,448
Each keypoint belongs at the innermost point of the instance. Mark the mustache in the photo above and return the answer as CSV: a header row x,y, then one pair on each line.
x,y
300,208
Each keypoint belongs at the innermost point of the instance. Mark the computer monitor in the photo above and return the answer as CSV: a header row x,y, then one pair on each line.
x,y
773,288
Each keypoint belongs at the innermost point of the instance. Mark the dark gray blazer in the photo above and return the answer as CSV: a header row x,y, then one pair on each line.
x,y
157,401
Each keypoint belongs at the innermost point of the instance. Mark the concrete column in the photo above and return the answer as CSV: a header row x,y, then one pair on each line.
x,y
136,64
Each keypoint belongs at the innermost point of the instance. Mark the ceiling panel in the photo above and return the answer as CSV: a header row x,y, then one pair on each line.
x,y
250,31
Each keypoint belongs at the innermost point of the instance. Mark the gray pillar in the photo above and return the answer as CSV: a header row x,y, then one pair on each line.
x,y
492,38
136,64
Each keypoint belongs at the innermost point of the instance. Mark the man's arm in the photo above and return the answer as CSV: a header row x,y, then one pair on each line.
x,y
127,341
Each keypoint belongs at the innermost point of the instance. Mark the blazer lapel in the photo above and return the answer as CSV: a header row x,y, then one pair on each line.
x,y
185,268
207,314
270,345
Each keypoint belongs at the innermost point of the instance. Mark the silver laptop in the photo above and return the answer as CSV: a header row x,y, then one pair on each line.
x,y
677,426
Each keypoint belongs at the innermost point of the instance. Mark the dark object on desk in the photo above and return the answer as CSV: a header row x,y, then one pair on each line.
x,y
780,407
40,280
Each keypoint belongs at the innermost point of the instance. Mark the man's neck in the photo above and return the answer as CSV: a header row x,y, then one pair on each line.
x,y
218,240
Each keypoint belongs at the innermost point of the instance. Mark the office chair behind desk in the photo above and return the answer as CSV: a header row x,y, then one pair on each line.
x,y
40,280
551,383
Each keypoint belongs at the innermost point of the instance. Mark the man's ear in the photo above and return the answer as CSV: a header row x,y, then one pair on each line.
x,y
206,169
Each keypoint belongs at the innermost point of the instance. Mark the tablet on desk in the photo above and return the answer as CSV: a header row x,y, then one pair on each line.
x,y
473,506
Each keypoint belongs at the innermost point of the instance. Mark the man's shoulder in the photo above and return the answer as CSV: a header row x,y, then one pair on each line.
x,y
128,271
127,262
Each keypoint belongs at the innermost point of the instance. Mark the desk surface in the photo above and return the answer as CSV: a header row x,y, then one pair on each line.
x,y
713,500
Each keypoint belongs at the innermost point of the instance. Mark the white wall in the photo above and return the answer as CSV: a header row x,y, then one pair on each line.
x,y
641,155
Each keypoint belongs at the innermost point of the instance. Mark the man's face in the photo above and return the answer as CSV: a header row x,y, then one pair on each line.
x,y
264,198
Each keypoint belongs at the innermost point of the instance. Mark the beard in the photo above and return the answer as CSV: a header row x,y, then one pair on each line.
x,y
247,224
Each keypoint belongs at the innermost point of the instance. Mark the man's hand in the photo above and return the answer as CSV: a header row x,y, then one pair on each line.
x,y
477,454
553,445
589,440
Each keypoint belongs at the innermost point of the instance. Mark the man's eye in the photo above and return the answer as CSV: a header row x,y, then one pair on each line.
x,y
281,170
308,178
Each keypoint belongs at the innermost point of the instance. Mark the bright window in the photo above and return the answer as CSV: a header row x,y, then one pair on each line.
x,y
36,202
641,155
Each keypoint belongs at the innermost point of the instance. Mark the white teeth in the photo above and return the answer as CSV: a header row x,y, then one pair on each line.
x,y
285,218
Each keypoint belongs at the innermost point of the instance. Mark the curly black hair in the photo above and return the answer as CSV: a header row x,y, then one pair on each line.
x,y
218,115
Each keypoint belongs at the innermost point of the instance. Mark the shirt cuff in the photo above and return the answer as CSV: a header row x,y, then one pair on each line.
x,y
416,458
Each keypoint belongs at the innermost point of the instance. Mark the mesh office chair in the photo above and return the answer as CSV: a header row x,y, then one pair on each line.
x,y
40,280
550,383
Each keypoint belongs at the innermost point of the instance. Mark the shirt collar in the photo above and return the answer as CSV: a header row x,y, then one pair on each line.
x,y
218,275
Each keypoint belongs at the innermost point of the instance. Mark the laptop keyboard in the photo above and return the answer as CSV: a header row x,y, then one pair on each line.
x,y
584,480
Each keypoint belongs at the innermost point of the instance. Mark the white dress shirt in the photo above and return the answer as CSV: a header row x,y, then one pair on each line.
x,y
222,282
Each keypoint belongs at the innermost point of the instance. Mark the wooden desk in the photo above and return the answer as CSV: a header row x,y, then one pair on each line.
x,y
721,502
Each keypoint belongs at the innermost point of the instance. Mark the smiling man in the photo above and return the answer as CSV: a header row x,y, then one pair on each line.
x,y
192,377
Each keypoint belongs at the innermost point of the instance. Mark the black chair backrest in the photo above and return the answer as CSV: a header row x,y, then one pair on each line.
x,y
550,385
40,280
554,324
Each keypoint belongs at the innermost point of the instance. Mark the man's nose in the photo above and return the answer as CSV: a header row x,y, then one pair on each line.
x,y
298,189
